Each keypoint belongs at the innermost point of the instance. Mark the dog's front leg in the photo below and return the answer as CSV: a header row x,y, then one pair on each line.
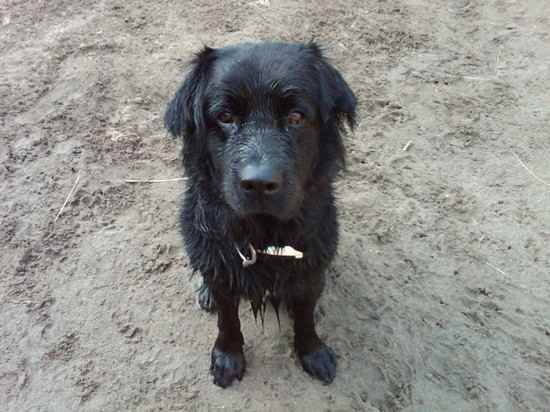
x,y
205,299
316,357
228,360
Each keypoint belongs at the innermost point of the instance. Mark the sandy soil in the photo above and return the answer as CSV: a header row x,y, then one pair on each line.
x,y
440,295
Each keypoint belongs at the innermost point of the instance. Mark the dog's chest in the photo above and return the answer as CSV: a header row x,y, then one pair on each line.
x,y
275,275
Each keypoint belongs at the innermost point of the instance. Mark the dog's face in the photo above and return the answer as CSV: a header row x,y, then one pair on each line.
x,y
266,120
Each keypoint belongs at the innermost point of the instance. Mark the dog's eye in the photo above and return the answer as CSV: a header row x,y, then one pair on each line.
x,y
226,117
295,118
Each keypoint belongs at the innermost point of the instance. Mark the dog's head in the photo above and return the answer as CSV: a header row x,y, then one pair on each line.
x,y
262,123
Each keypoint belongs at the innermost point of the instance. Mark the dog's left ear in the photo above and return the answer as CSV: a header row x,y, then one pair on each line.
x,y
185,113
338,103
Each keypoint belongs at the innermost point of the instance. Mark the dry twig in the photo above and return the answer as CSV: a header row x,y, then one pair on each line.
x,y
495,268
530,171
176,179
407,146
71,193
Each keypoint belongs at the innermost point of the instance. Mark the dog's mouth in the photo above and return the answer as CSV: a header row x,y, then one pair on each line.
x,y
274,215
281,208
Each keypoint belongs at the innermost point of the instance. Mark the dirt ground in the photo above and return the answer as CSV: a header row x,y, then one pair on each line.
x,y
439,299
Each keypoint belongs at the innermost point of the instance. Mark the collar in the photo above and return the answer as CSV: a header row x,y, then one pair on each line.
x,y
285,251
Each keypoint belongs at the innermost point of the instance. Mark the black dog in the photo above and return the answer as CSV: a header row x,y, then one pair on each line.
x,y
262,125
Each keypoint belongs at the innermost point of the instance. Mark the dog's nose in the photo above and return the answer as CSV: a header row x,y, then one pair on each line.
x,y
260,179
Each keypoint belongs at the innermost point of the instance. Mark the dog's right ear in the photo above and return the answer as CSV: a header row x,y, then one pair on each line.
x,y
185,113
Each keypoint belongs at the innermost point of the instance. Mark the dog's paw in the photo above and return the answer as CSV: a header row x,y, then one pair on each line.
x,y
205,300
226,366
320,364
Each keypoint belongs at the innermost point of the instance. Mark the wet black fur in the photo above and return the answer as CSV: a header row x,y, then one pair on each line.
x,y
212,227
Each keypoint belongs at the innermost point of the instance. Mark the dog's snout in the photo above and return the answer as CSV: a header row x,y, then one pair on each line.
x,y
260,179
